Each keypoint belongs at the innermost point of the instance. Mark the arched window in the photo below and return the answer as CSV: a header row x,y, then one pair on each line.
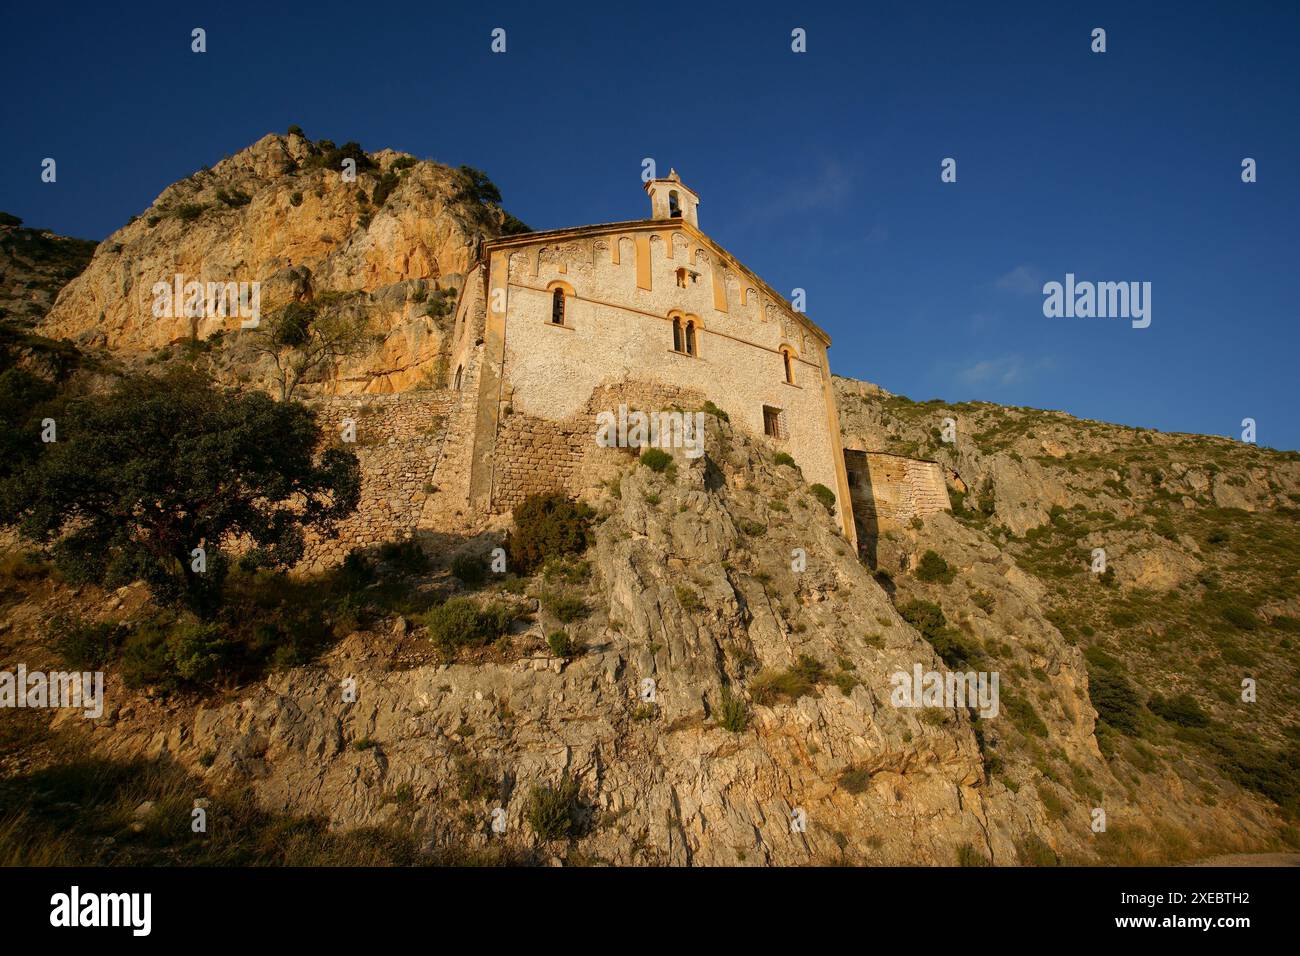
x,y
681,278
674,205
459,369
789,366
557,306
690,337
677,335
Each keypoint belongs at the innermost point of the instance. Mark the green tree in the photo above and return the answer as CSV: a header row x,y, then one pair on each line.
x,y
304,338
141,477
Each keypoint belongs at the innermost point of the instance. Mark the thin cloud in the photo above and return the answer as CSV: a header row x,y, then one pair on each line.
x,y
1002,370
1022,280
828,188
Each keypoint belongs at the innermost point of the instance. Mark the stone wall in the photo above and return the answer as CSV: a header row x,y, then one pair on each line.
x,y
399,440
889,490
535,455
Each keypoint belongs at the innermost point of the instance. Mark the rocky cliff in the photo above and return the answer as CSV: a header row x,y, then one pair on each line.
x,y
287,213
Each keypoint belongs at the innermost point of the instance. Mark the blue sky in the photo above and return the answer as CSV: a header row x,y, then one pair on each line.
x,y
818,170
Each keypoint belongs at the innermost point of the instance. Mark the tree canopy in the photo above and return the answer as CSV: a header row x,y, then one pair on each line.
x,y
141,477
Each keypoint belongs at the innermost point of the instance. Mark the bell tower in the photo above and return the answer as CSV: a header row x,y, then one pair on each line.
x,y
669,199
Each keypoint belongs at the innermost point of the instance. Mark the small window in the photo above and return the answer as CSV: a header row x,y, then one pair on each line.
x,y
690,338
772,426
674,205
789,367
557,307
681,278
459,369
677,335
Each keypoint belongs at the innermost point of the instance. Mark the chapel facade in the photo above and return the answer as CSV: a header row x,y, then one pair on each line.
x,y
551,328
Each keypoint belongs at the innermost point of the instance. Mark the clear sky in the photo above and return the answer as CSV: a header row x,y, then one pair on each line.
x,y
818,170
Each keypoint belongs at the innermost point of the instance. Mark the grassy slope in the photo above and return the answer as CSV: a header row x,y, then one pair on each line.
x,y
1165,660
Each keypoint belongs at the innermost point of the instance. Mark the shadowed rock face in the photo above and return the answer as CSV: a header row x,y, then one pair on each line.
x,y
679,594
273,214
693,584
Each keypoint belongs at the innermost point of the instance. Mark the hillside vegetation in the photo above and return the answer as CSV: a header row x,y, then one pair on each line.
x,y
1199,591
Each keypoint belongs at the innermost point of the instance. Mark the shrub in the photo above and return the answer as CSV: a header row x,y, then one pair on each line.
x,y
199,651
1034,851
331,157
754,529
1273,773
1239,656
825,496
295,130
770,686
784,458
295,199
953,649
854,779
565,607
357,570
234,198
1052,803
967,855
171,655
933,567
733,713
144,657
440,303
1114,698
468,569
85,645
711,409
1239,617
23,566
1023,715
552,812
656,459
688,598
462,623
387,183
846,680
570,569
810,669
188,212
547,526
560,643
476,780
406,556
926,616
1182,710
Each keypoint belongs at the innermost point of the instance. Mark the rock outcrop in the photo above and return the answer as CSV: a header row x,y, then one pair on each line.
x,y
281,213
